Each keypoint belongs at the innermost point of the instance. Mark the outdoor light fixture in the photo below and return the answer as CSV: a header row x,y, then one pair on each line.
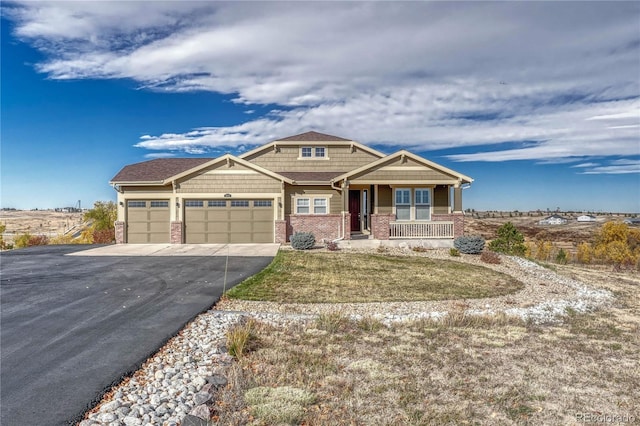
x,y
227,195
121,204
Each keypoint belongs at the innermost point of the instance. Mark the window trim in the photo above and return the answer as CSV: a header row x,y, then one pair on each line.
x,y
413,204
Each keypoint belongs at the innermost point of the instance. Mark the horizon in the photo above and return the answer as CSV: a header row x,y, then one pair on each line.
x,y
541,116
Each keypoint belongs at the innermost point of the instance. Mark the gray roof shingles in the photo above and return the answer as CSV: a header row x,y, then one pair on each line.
x,y
311,176
313,137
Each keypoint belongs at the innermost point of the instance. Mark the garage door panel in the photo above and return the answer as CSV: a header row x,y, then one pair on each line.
x,y
147,224
226,221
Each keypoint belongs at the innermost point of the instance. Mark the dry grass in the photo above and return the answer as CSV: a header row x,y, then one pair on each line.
x,y
462,370
37,222
299,277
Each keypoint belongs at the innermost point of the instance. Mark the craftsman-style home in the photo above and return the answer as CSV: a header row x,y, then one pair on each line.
x,y
335,188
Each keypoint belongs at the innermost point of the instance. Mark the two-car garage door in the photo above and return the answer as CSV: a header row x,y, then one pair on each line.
x,y
228,221
205,221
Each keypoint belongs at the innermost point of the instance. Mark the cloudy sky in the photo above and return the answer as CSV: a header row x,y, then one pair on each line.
x,y
538,101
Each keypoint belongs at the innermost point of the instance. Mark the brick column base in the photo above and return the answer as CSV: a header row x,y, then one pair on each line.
x,y
119,231
176,232
380,226
281,231
347,226
458,224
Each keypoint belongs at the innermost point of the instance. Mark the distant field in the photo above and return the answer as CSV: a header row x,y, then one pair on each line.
x,y
37,222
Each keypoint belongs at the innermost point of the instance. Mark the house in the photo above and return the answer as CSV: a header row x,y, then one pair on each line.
x,y
333,187
586,218
553,220
632,221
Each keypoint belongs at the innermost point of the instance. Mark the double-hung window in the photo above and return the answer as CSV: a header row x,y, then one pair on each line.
x,y
413,204
313,153
403,204
302,206
319,206
306,152
423,204
320,152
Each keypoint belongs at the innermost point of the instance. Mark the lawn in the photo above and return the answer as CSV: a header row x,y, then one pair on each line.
x,y
301,277
462,370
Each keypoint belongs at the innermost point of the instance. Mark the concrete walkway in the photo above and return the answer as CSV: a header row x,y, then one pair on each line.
x,y
241,250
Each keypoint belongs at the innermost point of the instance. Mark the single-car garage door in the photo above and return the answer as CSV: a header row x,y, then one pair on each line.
x,y
148,221
228,221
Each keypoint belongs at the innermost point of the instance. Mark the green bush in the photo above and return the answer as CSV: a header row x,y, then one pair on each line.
x,y
562,257
473,244
508,241
303,240
454,252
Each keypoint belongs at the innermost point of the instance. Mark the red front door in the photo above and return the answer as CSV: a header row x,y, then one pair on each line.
x,y
354,209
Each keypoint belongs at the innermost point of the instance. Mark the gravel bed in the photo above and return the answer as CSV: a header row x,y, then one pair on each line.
x,y
178,384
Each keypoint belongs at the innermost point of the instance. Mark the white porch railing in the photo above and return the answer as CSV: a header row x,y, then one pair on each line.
x,y
437,229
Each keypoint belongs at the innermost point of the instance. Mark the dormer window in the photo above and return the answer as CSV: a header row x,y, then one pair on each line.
x,y
313,153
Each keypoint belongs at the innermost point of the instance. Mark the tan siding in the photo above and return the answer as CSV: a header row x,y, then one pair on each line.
x,y
335,200
341,158
382,173
151,189
385,199
234,178
396,175
441,200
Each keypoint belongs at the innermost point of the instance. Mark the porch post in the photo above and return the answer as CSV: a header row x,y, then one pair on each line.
x,y
457,199
375,199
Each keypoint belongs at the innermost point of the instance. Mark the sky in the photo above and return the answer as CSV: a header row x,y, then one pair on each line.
x,y
539,102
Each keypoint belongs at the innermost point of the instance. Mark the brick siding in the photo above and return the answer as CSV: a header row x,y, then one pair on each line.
x,y
456,218
281,231
176,232
119,230
380,226
323,227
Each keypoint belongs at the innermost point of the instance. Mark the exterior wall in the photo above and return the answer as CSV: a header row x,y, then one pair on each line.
x,y
380,226
176,232
441,200
456,218
341,158
335,197
385,199
229,178
323,227
119,225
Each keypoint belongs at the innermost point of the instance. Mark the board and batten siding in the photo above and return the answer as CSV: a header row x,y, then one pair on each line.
x,y
232,178
286,159
292,192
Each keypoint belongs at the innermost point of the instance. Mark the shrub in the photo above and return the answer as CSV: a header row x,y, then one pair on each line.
x,y
561,257
303,241
584,253
38,240
508,241
454,252
543,249
473,244
22,241
332,246
240,339
489,256
104,236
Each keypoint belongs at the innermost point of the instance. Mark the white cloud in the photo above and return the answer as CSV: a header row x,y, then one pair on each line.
x,y
561,77
153,155
622,166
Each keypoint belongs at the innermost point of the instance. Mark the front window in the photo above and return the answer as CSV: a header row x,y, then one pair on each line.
x,y
306,152
320,151
403,204
320,206
302,206
423,204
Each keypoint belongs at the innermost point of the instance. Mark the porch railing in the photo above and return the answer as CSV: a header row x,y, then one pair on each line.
x,y
438,229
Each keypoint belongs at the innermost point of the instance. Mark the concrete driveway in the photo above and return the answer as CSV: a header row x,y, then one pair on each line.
x,y
74,321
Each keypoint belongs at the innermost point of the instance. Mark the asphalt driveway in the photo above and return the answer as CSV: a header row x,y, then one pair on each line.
x,y
73,325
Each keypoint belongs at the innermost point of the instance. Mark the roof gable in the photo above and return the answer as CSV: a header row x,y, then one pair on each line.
x,y
227,158
400,155
313,137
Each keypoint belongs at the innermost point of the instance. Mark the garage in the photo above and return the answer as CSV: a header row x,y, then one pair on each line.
x,y
228,221
148,221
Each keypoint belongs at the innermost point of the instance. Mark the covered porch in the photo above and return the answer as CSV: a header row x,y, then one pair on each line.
x,y
404,197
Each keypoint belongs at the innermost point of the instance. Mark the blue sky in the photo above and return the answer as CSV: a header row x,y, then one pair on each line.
x,y
539,102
